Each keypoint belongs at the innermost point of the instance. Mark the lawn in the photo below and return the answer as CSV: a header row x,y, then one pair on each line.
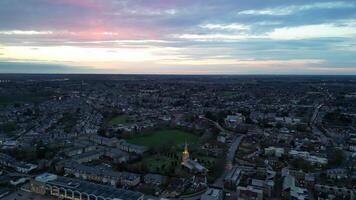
x,y
163,137
157,163
120,119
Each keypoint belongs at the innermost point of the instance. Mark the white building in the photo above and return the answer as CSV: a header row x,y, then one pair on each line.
x,y
291,191
315,160
234,120
274,151
212,194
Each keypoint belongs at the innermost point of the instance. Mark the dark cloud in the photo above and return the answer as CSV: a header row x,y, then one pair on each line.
x,y
28,67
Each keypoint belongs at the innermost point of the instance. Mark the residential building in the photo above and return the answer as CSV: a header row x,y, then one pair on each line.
x,y
74,189
212,194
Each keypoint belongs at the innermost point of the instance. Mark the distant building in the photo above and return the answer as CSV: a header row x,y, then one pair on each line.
x,y
233,121
288,120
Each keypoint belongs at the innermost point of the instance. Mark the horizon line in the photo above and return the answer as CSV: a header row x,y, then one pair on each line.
x,y
176,74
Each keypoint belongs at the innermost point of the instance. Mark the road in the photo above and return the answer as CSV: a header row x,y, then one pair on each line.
x,y
234,145
232,151
217,125
324,139
315,114
230,155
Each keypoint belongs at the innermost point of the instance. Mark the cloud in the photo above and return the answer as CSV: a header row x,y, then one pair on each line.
x,y
25,32
346,29
226,26
214,37
333,70
165,35
288,10
315,31
35,67
264,63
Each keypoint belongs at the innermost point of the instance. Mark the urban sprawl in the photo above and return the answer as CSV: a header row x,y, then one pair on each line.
x,y
135,137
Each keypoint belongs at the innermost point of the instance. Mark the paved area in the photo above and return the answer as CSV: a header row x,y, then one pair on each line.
x,y
22,195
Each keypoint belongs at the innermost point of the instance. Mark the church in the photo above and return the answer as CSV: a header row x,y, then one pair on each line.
x,y
191,165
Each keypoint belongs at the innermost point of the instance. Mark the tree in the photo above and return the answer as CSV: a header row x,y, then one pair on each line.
x,y
302,164
335,157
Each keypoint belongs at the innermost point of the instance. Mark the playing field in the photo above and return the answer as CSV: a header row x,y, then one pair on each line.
x,y
163,137
120,119
6,100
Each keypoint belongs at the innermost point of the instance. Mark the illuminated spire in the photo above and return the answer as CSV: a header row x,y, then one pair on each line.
x,y
185,156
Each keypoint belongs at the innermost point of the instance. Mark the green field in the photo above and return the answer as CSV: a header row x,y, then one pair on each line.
x,y
229,93
120,119
7,100
157,163
164,137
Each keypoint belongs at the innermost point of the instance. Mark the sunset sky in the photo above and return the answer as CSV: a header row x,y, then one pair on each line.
x,y
178,36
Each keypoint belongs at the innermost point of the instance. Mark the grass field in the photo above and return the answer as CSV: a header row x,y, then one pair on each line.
x,y
229,93
163,137
6,100
156,163
120,119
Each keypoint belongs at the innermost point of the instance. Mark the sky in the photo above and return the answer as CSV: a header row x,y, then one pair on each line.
x,y
178,36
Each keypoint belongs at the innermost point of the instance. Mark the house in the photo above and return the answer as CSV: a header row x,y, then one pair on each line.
x,y
131,148
221,138
103,175
73,151
111,142
249,192
315,160
291,191
19,166
274,151
117,155
232,178
339,173
88,156
212,194
155,179
339,192
288,120
267,186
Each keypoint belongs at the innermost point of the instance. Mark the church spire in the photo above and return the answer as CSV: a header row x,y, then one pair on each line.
x,y
186,146
185,155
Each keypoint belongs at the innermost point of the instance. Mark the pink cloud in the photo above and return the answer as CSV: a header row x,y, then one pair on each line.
x,y
80,3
